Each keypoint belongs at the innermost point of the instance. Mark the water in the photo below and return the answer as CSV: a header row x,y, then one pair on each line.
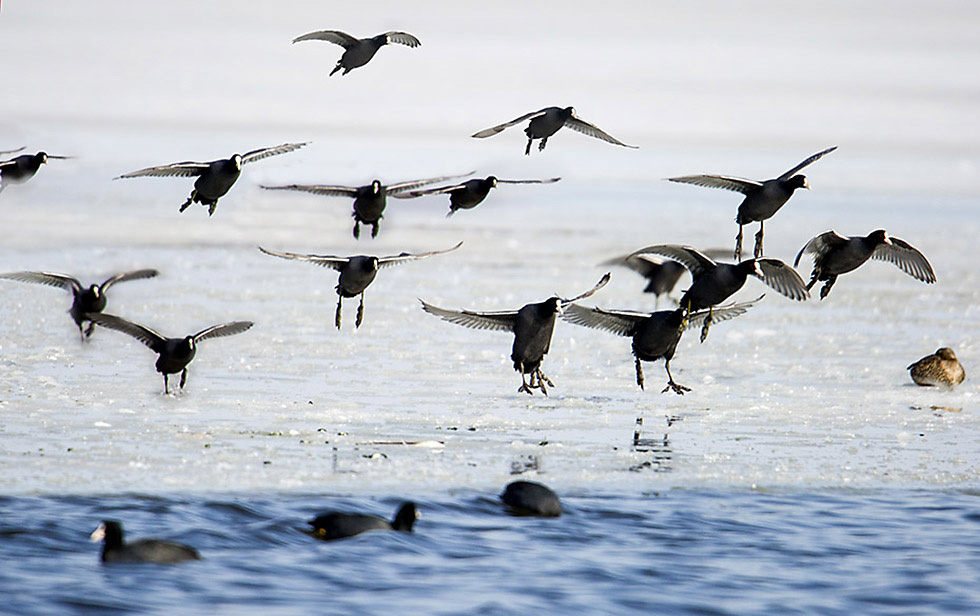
x,y
804,473
679,551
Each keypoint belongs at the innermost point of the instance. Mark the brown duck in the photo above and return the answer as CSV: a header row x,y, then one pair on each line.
x,y
940,369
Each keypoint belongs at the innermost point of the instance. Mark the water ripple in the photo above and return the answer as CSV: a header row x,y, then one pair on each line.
x,y
679,551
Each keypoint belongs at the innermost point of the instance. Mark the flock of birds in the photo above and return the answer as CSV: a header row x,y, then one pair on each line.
x,y
654,335
521,498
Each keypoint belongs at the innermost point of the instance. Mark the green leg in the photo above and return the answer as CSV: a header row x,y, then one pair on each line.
x,y
678,388
707,323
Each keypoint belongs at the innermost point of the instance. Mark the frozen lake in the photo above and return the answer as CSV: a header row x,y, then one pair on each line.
x,y
811,394
798,398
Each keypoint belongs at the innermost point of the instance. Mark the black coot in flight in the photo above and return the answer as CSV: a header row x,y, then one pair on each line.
x,y
215,178
835,254
546,122
174,353
369,201
532,326
762,199
655,336
356,273
716,282
469,194
21,168
358,52
85,299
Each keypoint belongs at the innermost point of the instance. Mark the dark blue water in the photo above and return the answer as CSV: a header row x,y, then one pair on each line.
x,y
677,552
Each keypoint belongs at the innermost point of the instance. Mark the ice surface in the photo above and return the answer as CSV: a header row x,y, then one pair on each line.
x,y
789,394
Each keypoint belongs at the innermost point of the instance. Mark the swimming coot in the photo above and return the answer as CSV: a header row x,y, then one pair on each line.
x,y
532,499
337,524
116,550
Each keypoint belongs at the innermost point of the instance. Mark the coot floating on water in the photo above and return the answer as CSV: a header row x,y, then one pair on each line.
x,y
532,499
337,524
116,550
